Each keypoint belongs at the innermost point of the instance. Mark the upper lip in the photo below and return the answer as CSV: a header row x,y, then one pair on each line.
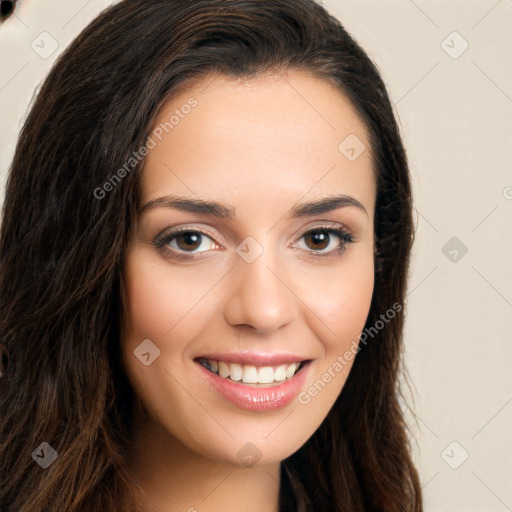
x,y
254,358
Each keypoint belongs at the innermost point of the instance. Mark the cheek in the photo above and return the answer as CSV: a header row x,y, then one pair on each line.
x,y
152,309
143,310
342,305
159,299
168,306
340,301
162,305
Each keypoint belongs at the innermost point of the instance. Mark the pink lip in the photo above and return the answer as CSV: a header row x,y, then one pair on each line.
x,y
257,398
254,358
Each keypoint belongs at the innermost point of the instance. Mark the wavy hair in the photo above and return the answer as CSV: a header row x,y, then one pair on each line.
x,y
62,255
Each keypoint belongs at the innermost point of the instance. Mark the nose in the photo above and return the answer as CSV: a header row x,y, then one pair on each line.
x,y
260,295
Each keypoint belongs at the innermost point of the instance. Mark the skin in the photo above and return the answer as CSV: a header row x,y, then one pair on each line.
x,y
260,145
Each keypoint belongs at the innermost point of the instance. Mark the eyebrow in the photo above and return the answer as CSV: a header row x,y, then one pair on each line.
x,y
325,205
226,211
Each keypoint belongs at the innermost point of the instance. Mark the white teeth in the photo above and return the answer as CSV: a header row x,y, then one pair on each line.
x,y
223,369
251,374
265,375
235,372
291,370
280,373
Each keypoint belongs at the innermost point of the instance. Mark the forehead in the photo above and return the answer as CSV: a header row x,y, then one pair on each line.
x,y
264,139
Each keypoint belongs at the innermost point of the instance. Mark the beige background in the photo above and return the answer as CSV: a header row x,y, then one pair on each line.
x,y
455,110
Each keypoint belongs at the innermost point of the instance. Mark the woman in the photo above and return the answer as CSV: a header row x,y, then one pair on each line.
x,y
204,254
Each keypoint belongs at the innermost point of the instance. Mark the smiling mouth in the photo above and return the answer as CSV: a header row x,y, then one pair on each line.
x,y
251,374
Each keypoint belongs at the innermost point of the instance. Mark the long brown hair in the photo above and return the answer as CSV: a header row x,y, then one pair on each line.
x,y
62,250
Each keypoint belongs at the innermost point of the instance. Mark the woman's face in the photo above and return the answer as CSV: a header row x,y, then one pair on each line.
x,y
268,275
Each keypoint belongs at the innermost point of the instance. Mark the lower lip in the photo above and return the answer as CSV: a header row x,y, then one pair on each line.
x,y
257,398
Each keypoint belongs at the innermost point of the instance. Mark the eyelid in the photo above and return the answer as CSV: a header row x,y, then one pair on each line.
x,y
173,231
328,226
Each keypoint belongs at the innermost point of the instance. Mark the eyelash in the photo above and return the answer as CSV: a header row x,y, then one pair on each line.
x,y
163,239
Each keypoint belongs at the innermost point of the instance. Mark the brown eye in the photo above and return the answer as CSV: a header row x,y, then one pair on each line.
x,y
185,243
188,241
326,241
319,239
